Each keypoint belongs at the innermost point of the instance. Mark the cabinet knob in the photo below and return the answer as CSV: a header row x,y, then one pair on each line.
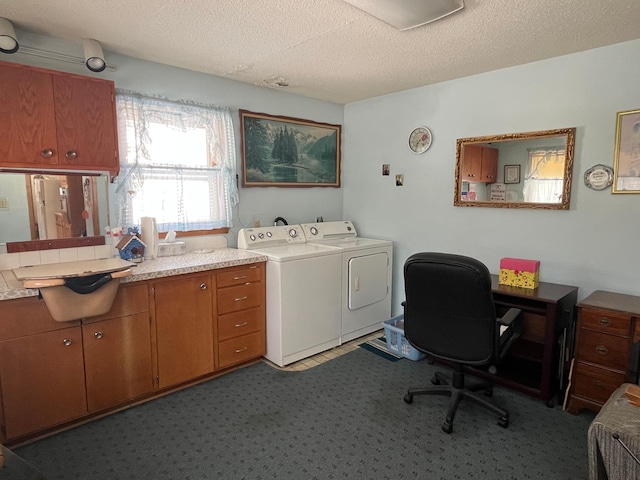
x,y
602,350
239,299
598,384
203,286
240,278
98,335
66,342
71,155
605,322
47,153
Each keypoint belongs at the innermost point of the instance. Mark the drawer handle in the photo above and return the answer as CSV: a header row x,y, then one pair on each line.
x,y
240,278
598,384
602,350
240,298
605,322
238,325
98,335
242,349
203,286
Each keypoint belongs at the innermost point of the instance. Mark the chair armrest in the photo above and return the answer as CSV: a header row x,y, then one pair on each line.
x,y
508,318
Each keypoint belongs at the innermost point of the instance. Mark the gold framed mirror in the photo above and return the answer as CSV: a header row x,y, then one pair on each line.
x,y
515,170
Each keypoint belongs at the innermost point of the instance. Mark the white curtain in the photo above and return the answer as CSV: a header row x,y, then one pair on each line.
x,y
177,163
543,181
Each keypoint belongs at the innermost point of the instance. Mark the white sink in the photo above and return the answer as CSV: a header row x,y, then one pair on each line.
x,y
76,290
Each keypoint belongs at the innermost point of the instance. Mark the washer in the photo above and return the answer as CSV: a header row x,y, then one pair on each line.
x,y
366,276
303,292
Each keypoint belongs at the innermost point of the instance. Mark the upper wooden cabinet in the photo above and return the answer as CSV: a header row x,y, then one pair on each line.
x,y
480,164
56,120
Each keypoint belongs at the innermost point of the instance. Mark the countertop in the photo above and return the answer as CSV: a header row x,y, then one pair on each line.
x,y
11,287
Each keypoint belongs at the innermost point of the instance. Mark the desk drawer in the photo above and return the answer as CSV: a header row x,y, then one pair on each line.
x,y
595,383
605,321
606,350
240,349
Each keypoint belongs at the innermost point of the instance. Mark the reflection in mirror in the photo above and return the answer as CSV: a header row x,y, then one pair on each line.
x,y
52,207
518,170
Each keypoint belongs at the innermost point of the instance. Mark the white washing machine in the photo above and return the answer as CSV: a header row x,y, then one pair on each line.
x,y
366,276
303,292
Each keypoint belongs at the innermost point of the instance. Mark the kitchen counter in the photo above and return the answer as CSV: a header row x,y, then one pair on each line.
x,y
11,287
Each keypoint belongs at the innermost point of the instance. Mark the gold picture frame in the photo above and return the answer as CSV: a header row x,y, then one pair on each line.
x,y
288,152
626,159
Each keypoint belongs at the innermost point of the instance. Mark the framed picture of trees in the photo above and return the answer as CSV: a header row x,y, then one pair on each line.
x,y
288,152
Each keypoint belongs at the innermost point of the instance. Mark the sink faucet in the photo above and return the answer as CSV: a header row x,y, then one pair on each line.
x,y
280,219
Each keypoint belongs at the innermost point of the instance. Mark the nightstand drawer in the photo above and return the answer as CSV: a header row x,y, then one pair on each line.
x,y
606,350
605,321
595,383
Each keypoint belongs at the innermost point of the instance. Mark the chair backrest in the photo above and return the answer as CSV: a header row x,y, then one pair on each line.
x,y
449,310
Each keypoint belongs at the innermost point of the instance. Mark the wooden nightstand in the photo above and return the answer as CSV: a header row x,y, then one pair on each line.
x,y
608,328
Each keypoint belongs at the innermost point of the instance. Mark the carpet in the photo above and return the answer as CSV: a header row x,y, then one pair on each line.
x,y
344,418
379,347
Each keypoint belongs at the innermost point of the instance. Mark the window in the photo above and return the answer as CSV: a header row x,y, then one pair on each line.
x,y
544,177
177,164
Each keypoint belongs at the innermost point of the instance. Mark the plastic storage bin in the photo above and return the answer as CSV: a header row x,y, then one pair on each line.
x,y
394,334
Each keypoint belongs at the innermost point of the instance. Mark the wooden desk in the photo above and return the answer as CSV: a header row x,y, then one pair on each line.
x,y
537,364
608,328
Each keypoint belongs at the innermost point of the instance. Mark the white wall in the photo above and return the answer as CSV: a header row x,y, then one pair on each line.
x,y
297,205
593,245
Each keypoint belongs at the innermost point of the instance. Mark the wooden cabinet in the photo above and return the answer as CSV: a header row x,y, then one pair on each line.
x,y
41,368
480,164
241,315
607,324
117,350
159,335
56,120
184,326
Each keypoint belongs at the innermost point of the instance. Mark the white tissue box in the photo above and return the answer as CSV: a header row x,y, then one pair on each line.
x,y
171,249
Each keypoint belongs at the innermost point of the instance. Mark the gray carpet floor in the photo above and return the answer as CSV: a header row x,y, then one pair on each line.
x,y
343,419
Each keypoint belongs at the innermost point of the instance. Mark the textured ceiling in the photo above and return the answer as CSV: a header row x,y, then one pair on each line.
x,y
328,49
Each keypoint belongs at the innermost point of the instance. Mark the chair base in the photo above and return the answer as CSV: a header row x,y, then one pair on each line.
x,y
456,389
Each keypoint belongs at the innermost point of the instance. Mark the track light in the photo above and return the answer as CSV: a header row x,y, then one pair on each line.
x,y
8,39
93,55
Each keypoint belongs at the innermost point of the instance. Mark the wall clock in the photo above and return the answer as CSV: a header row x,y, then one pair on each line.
x,y
420,139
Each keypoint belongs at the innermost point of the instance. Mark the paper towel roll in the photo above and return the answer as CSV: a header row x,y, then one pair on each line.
x,y
149,235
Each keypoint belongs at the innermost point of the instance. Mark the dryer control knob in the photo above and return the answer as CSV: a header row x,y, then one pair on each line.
x,y
261,235
314,231
293,233
252,237
269,234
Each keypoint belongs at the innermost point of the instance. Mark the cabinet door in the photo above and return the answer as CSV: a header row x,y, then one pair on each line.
x,y
42,381
117,355
85,122
472,163
489,165
184,325
27,119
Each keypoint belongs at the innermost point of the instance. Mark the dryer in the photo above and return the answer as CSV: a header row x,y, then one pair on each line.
x,y
366,276
303,292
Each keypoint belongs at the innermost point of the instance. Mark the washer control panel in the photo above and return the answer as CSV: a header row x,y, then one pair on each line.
x,y
328,230
249,238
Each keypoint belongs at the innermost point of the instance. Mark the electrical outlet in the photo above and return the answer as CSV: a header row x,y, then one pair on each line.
x,y
4,203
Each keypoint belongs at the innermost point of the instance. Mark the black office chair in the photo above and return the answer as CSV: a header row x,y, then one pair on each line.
x,y
449,314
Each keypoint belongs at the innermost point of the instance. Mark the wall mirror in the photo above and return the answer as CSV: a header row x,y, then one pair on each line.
x,y
52,210
517,170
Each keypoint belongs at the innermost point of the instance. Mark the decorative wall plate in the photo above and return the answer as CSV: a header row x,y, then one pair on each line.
x,y
598,177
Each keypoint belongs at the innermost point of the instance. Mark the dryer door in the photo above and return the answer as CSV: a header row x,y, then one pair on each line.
x,y
367,279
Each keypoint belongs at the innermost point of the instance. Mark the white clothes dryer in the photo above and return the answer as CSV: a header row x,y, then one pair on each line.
x,y
366,276
303,292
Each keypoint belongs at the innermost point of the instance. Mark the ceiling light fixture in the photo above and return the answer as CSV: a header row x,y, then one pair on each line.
x,y
8,39
406,14
93,55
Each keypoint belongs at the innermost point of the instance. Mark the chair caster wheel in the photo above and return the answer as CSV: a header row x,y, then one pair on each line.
x,y
435,380
488,392
447,427
408,399
503,422
550,403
